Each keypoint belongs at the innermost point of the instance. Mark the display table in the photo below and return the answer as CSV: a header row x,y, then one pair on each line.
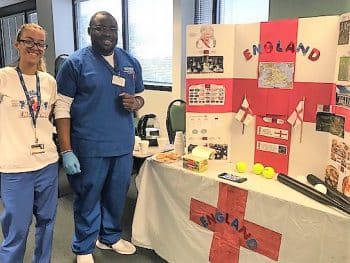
x,y
139,158
190,217
153,150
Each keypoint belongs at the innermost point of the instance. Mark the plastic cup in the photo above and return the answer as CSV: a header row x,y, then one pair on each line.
x,y
144,144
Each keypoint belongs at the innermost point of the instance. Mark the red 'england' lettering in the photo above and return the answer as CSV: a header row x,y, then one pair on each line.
x,y
268,48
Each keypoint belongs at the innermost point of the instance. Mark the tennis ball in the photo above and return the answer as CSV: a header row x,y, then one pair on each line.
x,y
268,172
241,167
258,168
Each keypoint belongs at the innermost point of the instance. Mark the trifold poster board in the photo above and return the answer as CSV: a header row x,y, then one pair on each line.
x,y
273,92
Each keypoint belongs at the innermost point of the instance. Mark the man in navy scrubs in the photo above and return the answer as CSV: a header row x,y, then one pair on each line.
x,y
94,119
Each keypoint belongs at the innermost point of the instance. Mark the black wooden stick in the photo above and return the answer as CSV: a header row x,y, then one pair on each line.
x,y
311,192
333,193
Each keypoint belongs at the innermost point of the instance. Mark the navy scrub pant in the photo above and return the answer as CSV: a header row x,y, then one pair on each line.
x,y
99,197
24,195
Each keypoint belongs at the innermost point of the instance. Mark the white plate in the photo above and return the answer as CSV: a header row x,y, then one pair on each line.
x,y
165,159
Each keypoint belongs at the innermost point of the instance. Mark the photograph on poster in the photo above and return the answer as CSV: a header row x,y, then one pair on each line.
x,y
332,176
276,75
206,94
220,149
205,64
346,186
207,37
210,130
272,132
270,118
338,170
344,69
271,147
344,32
329,122
343,95
340,153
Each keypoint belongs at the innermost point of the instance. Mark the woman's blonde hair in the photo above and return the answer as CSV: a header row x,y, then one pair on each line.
x,y
41,65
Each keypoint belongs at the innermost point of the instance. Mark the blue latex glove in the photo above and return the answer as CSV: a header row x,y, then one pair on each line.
x,y
71,164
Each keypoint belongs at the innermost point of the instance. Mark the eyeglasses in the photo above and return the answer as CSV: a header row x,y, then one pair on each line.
x,y
30,44
105,29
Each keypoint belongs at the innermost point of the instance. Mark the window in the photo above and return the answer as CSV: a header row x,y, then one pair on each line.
x,y
148,32
203,12
243,11
151,38
85,9
231,11
9,26
11,19
33,17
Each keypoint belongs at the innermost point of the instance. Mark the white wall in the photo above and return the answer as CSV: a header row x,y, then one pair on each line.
x,y
300,8
56,17
157,101
64,36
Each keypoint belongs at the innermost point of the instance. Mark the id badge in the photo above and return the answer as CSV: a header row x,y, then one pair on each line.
x,y
37,148
118,81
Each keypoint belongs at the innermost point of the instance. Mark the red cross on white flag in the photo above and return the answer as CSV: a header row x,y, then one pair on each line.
x,y
297,116
234,230
244,114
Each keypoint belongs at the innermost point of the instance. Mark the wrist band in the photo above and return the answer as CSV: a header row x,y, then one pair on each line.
x,y
65,152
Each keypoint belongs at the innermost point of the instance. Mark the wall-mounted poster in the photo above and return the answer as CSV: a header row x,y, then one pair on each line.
x,y
206,94
272,142
344,31
337,171
207,38
273,65
276,75
210,130
332,123
344,69
205,64
343,58
209,95
209,51
343,95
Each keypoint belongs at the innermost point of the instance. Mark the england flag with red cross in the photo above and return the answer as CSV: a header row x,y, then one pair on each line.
x,y
244,114
297,116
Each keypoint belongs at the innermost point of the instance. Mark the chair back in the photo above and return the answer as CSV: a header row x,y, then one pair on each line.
x,y
59,61
176,118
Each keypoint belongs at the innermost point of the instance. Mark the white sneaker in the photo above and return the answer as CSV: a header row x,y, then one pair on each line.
x,y
122,247
85,258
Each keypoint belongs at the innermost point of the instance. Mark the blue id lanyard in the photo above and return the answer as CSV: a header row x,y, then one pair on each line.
x,y
34,115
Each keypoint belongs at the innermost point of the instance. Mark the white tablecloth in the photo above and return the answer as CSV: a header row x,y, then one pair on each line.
x,y
292,227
